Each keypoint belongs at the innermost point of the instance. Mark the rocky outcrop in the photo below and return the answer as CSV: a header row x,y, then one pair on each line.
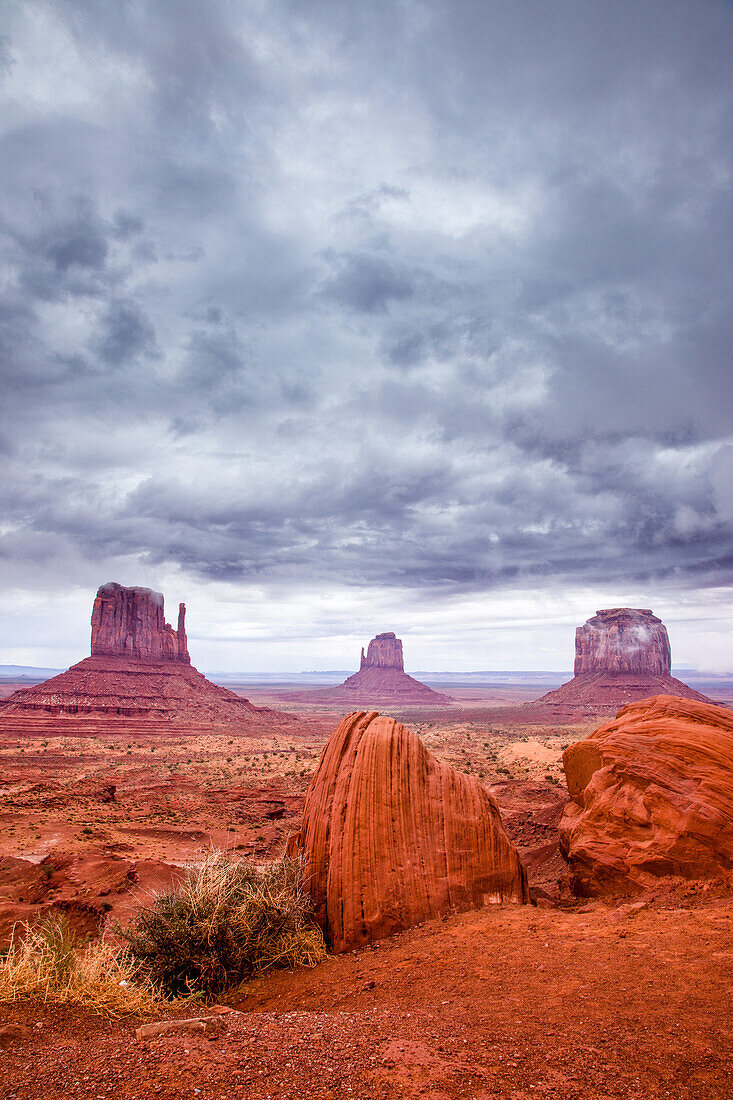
x,y
391,836
130,622
623,640
652,794
385,651
85,889
139,668
381,679
121,687
621,654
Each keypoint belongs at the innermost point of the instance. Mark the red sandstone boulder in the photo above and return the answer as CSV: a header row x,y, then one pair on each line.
x,y
652,795
130,622
621,654
392,837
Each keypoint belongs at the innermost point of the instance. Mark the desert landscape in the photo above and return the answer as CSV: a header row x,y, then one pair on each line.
x,y
437,993
366,587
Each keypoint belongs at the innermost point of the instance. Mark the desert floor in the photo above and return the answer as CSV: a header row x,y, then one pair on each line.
x,y
581,999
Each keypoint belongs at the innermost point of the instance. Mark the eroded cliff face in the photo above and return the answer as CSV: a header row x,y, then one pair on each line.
x,y
623,640
139,668
652,794
130,622
621,654
385,651
391,836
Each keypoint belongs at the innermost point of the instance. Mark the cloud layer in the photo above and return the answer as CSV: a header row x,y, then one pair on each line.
x,y
401,295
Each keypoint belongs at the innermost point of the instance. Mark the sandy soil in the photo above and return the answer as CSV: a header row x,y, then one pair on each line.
x,y
515,1003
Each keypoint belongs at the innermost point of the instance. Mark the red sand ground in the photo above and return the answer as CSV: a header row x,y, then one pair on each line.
x,y
592,1004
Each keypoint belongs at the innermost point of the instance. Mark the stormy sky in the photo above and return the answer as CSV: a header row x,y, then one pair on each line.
x,y
338,317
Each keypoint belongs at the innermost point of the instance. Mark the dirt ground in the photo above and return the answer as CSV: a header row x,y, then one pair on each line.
x,y
515,1002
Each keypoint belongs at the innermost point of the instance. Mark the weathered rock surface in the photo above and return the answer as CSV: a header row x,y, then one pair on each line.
x,y
652,795
623,640
392,837
381,679
621,654
130,622
385,651
139,668
121,687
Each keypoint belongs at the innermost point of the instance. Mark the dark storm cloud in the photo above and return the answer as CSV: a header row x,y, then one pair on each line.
x,y
417,294
126,332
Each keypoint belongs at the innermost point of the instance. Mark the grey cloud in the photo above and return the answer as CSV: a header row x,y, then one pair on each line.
x,y
366,283
425,295
126,332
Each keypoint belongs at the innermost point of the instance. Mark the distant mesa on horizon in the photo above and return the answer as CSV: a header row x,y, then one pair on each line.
x,y
385,651
139,667
622,654
381,679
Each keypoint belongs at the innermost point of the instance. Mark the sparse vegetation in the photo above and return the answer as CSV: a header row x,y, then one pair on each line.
x,y
48,962
227,922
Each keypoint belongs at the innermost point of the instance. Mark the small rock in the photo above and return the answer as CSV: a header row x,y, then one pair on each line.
x,y
203,1024
634,908
12,1032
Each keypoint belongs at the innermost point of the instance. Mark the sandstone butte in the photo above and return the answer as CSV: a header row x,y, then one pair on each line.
x,y
139,667
652,795
391,836
621,654
381,679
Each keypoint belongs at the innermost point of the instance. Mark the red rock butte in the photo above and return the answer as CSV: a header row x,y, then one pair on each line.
x,y
381,679
391,836
652,795
139,667
130,622
621,654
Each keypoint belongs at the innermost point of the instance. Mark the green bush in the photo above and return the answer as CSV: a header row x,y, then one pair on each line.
x,y
228,921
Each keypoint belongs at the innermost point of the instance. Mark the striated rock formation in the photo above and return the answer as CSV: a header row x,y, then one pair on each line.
x,y
385,651
130,622
652,794
621,654
391,836
381,679
139,668
623,640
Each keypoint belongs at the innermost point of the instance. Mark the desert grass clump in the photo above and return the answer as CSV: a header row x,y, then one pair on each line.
x,y
48,962
228,921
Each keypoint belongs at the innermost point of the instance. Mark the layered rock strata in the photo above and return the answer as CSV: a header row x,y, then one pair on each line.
x,y
391,836
623,640
621,654
381,679
139,668
385,651
130,622
652,794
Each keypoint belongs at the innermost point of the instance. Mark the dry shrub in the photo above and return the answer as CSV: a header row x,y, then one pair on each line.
x,y
46,962
228,921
